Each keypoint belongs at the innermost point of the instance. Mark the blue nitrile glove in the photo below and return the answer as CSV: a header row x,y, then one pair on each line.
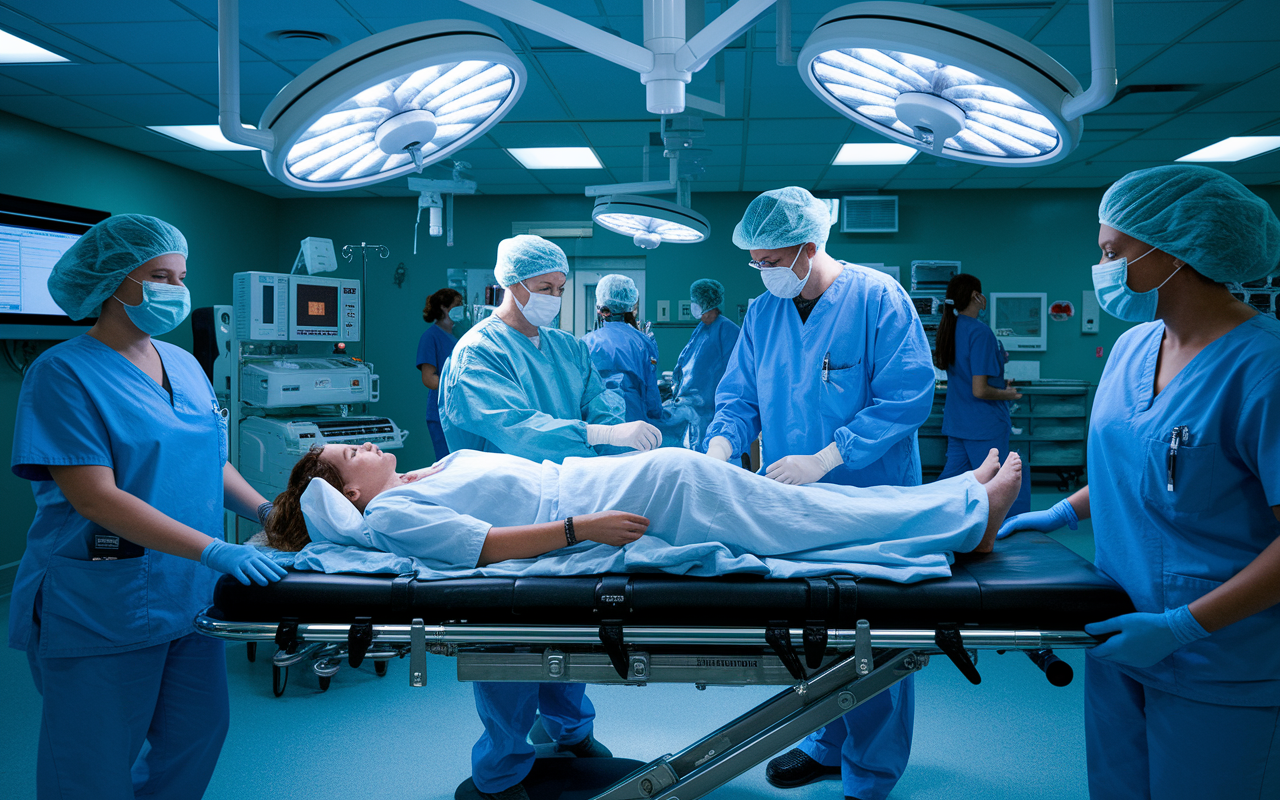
x,y
243,562
1061,513
1144,639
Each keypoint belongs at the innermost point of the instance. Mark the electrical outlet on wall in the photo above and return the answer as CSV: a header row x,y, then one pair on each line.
x,y
664,311
686,311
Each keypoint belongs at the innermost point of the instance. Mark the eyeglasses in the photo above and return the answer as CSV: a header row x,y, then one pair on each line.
x,y
764,265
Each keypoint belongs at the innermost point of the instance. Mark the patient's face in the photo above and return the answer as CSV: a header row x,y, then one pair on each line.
x,y
366,469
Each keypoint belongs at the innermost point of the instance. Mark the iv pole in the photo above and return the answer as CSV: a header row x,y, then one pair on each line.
x,y
348,251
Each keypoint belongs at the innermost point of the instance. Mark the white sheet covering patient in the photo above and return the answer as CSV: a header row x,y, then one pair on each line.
x,y
472,509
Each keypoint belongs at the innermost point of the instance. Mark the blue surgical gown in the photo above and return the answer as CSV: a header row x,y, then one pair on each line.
x,y
627,361
1168,548
502,394
84,403
701,365
857,373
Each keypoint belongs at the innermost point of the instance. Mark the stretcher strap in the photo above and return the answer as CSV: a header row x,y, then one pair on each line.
x,y
778,635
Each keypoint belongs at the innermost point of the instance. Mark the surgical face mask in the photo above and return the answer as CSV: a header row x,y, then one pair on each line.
x,y
783,282
1117,299
456,314
541,310
163,307
695,309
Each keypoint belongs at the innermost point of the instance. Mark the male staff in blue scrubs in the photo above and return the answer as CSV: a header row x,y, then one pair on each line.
x,y
833,371
515,385
704,359
626,358
126,450
1183,699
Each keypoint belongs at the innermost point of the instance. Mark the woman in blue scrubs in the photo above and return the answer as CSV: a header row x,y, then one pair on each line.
x,y
626,359
975,417
126,449
443,310
1183,698
703,360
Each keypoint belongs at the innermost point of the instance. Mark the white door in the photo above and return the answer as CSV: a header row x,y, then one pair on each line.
x,y
587,272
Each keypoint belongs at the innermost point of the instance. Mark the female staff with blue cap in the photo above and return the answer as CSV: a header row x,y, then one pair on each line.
x,y
832,370
626,359
126,449
515,385
703,360
1183,699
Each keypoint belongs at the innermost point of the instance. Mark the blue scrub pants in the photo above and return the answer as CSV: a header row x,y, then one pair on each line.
x,y
98,710
503,756
1145,743
964,455
871,743
438,444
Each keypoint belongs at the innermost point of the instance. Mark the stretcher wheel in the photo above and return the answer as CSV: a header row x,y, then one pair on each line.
x,y
251,650
279,679
324,682
380,668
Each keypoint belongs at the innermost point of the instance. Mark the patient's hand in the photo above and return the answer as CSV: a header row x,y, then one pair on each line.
x,y
410,477
610,527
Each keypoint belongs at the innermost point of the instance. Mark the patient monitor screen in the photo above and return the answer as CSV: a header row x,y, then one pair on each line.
x,y
317,306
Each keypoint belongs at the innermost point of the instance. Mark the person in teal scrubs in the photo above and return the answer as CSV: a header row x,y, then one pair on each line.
x,y
517,385
1182,700
704,359
832,370
126,450
975,418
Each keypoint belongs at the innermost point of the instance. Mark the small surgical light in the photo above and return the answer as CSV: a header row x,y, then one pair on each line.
x,y
952,85
649,221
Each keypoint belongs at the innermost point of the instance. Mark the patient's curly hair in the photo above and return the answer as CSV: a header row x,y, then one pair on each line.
x,y
286,528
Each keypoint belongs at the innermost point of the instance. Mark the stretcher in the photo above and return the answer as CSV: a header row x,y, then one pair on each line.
x,y
835,642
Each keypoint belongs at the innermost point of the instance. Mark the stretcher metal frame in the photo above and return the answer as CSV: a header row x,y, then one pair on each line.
x,y
834,642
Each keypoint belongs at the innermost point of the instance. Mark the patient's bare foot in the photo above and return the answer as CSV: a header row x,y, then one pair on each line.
x,y
987,469
1002,490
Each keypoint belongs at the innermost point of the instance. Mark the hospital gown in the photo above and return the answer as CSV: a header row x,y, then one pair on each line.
x,y
502,394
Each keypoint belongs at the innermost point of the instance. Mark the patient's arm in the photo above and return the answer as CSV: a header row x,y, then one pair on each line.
x,y
529,541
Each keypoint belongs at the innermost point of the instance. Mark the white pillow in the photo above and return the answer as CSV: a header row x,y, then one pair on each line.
x,y
330,516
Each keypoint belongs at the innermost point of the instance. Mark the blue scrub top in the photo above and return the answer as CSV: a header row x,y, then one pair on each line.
x,y
434,348
83,403
502,394
702,364
1167,548
978,352
627,361
876,388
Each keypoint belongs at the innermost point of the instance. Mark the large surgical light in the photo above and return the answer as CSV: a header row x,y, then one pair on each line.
x,y
387,105
952,85
649,221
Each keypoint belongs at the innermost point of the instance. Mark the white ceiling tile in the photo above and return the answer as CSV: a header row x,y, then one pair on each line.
x,y
8,86
1136,23
65,79
632,133
714,186
1260,94
493,158
154,109
63,11
194,159
1076,59
778,92
537,134
1214,126
1060,182
133,138
1151,102
722,132
537,102
785,132
595,88
795,173
256,77
993,183
141,42
1251,20
906,184
57,112
793,154
1217,62
1158,150
483,176
1102,120
514,188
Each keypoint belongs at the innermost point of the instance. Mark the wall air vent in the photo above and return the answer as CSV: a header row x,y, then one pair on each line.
x,y
868,214
554,229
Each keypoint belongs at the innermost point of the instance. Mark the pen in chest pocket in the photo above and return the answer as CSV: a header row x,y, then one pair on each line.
x,y
826,367
1177,438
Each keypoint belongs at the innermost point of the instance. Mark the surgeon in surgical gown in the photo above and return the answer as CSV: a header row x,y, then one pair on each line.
x,y
626,358
517,385
703,360
833,371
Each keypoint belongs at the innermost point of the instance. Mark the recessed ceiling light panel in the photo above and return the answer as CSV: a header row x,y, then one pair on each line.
x,y
556,157
942,82
390,104
649,221
1235,148
15,50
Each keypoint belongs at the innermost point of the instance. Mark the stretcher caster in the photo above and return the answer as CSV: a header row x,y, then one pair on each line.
x,y
324,682
279,679
380,668
251,650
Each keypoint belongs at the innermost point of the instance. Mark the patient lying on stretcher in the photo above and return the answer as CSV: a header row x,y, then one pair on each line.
x,y
474,509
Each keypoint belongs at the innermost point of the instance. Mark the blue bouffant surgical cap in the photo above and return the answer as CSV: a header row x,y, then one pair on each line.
x,y
1198,215
97,263
707,293
521,257
618,293
783,218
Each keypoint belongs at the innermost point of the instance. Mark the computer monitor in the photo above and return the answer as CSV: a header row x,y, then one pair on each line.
x,y
323,309
33,236
1018,320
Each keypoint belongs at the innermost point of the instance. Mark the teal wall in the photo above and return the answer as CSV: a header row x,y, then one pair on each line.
x,y
228,229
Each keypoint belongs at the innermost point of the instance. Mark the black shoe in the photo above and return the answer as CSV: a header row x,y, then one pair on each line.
x,y
516,792
587,748
795,768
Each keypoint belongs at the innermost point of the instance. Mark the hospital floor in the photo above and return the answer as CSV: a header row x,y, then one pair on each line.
x,y
1014,736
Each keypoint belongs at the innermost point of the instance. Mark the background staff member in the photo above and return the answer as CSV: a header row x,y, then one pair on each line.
x,y
626,359
444,309
126,449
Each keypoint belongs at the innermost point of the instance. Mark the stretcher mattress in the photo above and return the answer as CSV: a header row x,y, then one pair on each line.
x,y
1030,581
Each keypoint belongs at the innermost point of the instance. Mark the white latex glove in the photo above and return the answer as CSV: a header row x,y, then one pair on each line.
x,y
638,435
799,470
719,448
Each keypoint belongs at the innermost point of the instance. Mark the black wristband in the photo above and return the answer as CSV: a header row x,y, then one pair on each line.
x,y
569,535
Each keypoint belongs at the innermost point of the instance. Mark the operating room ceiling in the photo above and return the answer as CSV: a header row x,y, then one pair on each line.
x,y
1192,72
